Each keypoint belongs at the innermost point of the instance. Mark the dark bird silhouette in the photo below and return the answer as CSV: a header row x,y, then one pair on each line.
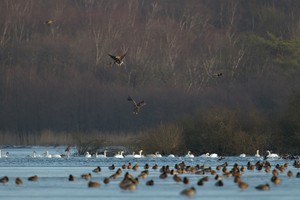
x,y
71,177
136,106
188,192
97,169
92,184
118,59
49,22
4,180
33,178
18,181
263,187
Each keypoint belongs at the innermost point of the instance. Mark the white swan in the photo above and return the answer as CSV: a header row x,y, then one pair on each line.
x,y
47,155
213,155
272,155
34,154
56,156
119,155
158,155
171,156
101,155
243,155
87,155
205,155
139,155
189,155
257,153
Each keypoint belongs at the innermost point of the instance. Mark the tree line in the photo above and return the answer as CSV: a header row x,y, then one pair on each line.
x,y
216,75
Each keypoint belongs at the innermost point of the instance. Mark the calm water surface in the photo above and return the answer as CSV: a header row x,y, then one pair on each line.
x,y
53,178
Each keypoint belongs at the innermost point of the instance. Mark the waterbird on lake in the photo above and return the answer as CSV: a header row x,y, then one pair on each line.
x,y
213,155
86,176
271,155
219,183
257,153
33,178
136,106
87,155
118,59
4,180
97,169
119,155
106,180
243,185
243,155
6,155
189,192
290,173
93,184
150,183
47,155
139,155
206,155
112,167
263,187
171,156
18,181
189,155
101,155
71,178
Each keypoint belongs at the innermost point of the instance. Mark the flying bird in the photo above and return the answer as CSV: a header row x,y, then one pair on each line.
x,y
49,22
118,59
136,106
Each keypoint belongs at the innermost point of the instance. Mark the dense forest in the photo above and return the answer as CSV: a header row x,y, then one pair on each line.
x,y
217,75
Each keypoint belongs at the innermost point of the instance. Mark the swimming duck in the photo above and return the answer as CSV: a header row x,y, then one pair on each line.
x,y
263,187
189,192
150,183
71,177
97,169
4,180
92,184
18,181
33,178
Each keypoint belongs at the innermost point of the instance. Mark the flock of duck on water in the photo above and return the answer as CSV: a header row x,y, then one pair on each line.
x,y
177,173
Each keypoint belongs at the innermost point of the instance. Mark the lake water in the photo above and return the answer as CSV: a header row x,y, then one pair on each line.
x,y
53,178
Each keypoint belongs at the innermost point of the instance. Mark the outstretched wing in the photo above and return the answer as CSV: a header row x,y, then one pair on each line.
x,y
123,55
142,103
113,57
131,99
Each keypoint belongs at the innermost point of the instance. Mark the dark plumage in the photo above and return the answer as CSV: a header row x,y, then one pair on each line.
x,y
71,177
189,192
33,178
118,59
97,169
263,187
136,106
4,179
18,181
